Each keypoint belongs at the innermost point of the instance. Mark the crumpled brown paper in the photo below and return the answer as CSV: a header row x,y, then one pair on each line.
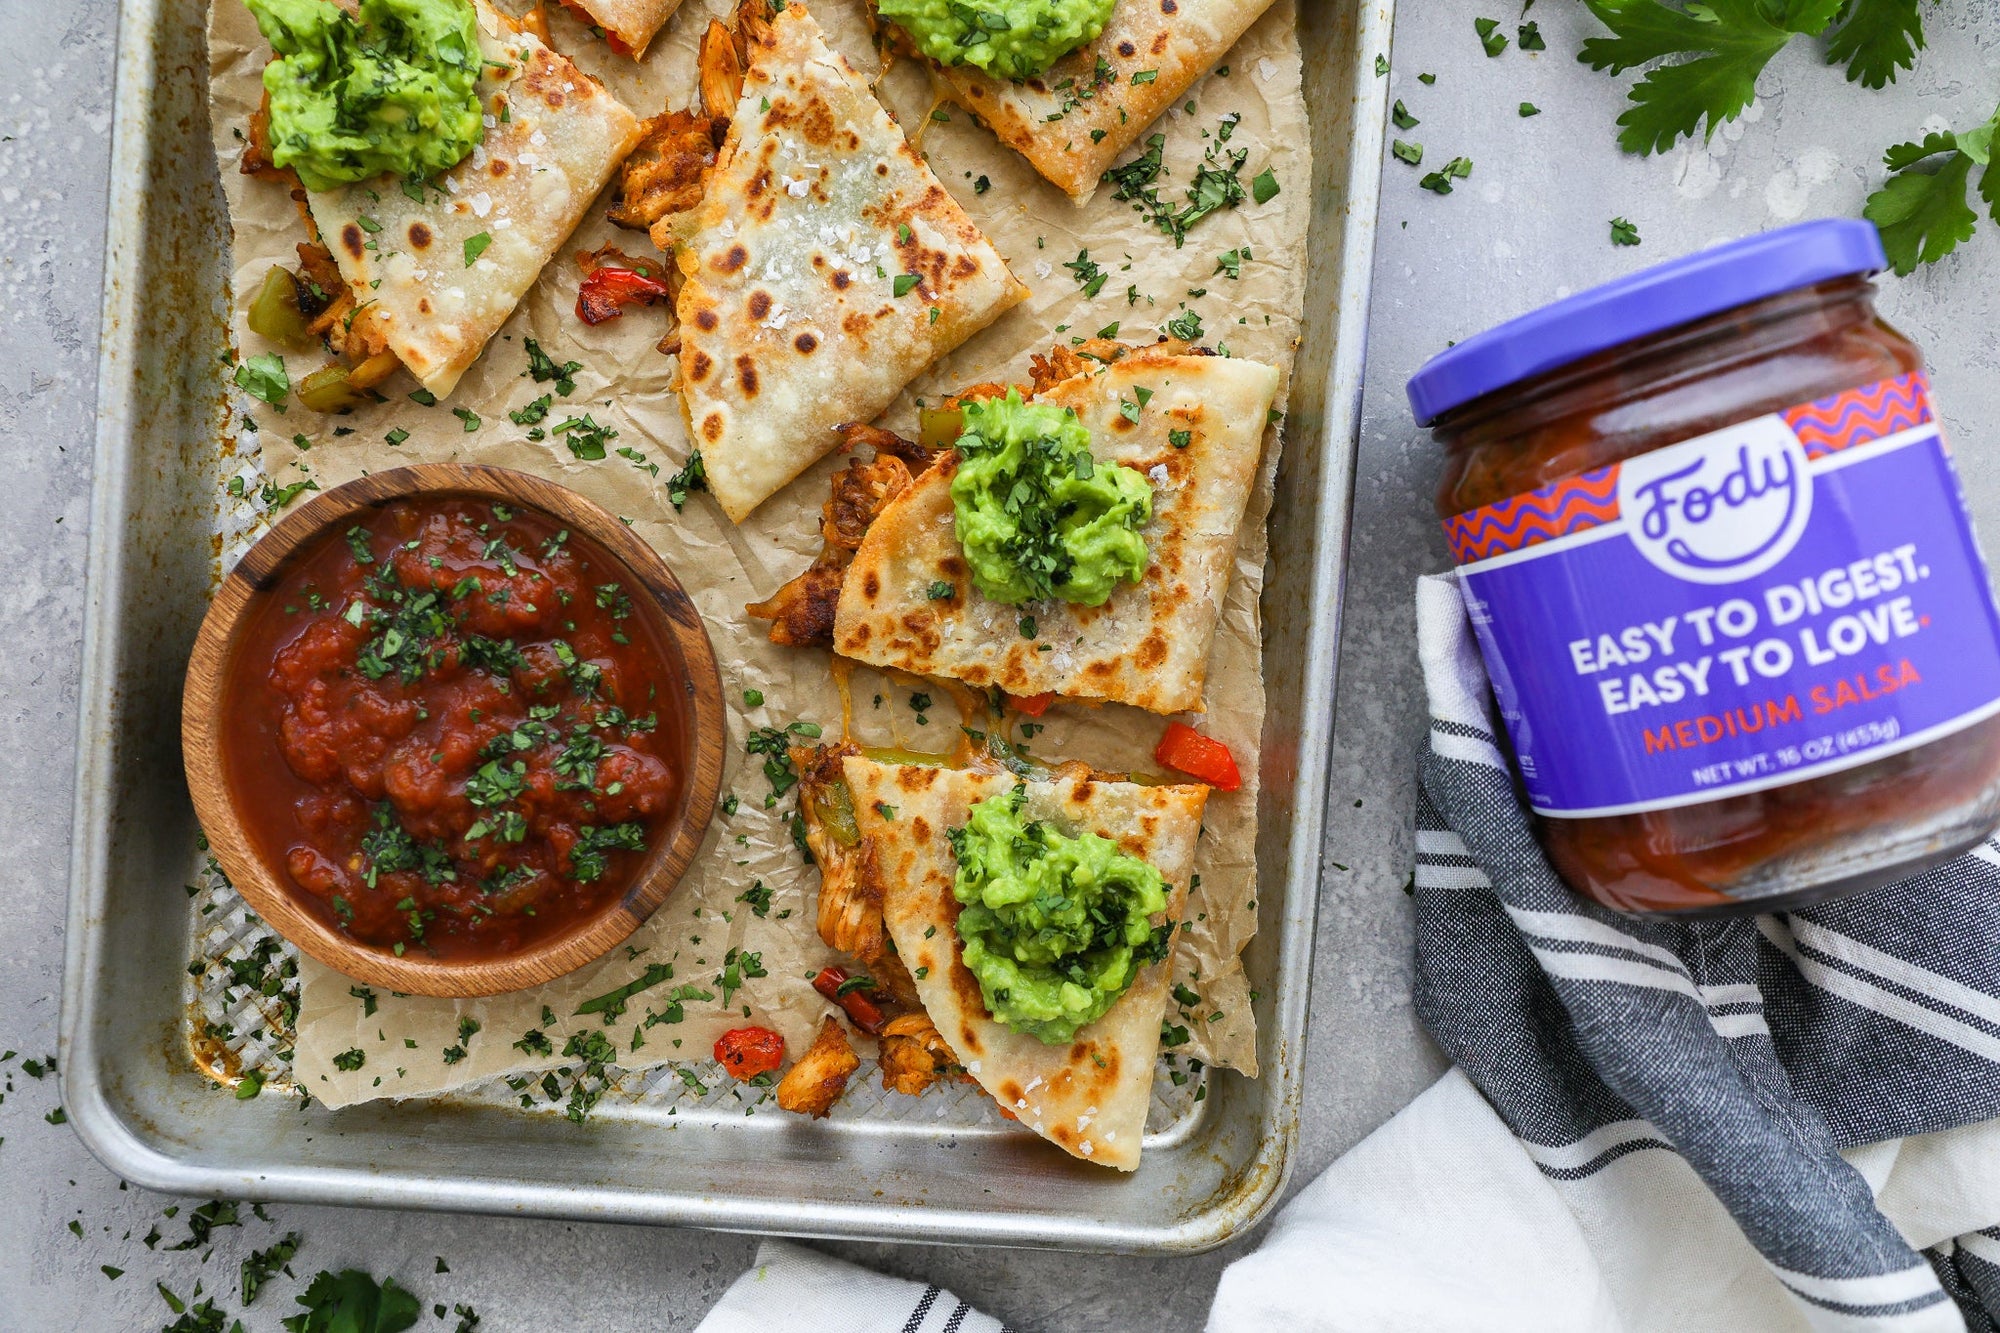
x,y
625,383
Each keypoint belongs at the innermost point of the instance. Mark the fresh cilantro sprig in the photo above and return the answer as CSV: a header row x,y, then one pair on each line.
x,y
1921,211
1717,49
1726,45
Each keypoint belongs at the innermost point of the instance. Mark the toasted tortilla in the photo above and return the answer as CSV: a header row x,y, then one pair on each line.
x,y
1148,645
1051,120
1089,1096
524,189
789,320
628,25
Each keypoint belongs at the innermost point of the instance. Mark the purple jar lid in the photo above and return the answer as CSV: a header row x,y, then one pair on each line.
x,y
1649,301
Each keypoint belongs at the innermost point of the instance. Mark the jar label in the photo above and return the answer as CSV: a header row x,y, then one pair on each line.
x,y
1786,597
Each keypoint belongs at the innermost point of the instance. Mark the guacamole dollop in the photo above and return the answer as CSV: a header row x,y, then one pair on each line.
x,y
390,91
1038,517
1054,928
1014,39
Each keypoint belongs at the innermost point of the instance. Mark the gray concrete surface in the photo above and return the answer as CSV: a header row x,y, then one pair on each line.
x,y
1531,223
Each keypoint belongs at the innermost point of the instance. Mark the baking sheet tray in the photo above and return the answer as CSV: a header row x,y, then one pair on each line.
x,y
144,1109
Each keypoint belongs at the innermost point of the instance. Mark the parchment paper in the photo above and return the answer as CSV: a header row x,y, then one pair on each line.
x,y
626,383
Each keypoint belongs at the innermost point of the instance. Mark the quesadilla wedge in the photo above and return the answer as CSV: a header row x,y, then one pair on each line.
x,y
1088,1093
901,590
823,267
434,269
1074,120
629,25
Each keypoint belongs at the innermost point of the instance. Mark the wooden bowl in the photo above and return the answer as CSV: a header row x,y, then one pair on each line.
x,y
666,607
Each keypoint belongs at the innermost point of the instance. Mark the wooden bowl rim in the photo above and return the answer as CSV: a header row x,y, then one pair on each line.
x,y
671,613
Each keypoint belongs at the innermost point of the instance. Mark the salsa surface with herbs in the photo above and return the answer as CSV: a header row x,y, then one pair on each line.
x,y
453,731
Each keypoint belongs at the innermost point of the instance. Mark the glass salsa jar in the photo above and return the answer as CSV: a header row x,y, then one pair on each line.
x,y
1723,579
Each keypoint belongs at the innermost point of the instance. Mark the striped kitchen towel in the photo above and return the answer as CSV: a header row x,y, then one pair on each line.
x,y
1822,1073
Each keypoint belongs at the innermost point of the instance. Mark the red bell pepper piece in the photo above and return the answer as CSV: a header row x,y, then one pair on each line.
x,y
1034,705
748,1052
867,1015
606,291
1186,750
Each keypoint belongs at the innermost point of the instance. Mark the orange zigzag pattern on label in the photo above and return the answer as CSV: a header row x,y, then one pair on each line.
x,y
1582,501
1858,416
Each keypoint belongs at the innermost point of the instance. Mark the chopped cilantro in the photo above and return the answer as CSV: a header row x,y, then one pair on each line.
x,y
1089,275
585,437
475,246
1439,181
543,368
692,477
264,377
612,1004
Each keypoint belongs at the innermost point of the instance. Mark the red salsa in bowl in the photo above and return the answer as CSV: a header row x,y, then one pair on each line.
x,y
453,729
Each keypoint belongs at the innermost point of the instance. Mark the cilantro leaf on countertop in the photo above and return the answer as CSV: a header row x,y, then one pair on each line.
x,y
1879,38
1921,211
1718,49
1624,232
1729,42
350,1301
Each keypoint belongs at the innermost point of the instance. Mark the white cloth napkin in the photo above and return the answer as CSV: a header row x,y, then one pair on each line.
x,y
1442,1220
791,1289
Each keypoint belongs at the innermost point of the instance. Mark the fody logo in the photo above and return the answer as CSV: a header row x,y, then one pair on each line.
x,y
1721,507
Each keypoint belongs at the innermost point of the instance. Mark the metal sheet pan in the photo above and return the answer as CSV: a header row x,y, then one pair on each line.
x,y
145,1111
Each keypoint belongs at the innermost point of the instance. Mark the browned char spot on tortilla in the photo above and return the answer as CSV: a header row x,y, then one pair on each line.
x,y
733,259
760,304
814,119
746,374
871,585
805,342
699,365
1127,49
420,236
500,166
711,427
915,778
706,319
1159,42
350,240
1152,652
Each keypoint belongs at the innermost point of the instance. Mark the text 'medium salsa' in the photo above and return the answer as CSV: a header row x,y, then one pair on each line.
x,y
452,730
